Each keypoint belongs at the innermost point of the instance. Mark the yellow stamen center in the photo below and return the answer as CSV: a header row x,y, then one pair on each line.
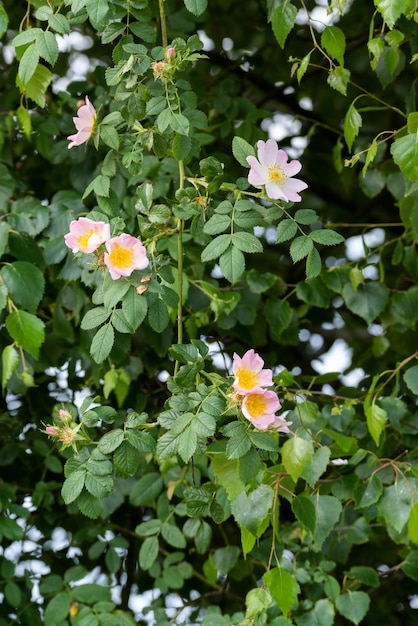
x,y
256,405
83,240
246,378
120,257
277,174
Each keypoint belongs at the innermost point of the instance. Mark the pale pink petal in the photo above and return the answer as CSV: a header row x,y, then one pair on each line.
x,y
293,168
274,191
267,152
291,188
258,175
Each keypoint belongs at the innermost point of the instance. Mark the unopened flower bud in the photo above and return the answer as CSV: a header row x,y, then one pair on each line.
x,y
170,53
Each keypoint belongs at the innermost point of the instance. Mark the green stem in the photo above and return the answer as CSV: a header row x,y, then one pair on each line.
x,y
180,270
164,39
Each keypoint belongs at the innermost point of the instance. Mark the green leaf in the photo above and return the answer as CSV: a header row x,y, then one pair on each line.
x,y
247,242
226,472
333,40
352,124
97,11
146,489
57,609
73,486
328,510
410,565
216,247
368,301
317,466
89,505
110,441
99,486
391,10
94,318
413,524
304,511
232,264
36,87
197,7
181,147
376,420
283,587
158,315
26,330
297,453
148,552
353,605
187,444
173,535
59,23
300,248
109,136
4,21
303,66
25,284
313,264
369,492
47,46
286,230
283,20
217,224
28,63
134,308
338,79
251,510
322,614
364,574
326,237
180,124
126,459
411,379
102,343
395,504
25,121
405,154
10,362
241,149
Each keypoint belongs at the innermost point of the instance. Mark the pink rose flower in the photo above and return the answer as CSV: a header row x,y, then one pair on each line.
x,y
171,52
124,255
260,408
85,123
250,377
86,235
273,172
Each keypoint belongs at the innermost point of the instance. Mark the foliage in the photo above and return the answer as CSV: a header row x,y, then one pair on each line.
x,y
154,500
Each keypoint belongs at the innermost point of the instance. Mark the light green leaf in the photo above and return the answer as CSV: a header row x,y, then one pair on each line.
x,y
405,154
352,124
158,315
102,343
283,20
10,362
251,510
333,40
411,379
26,330
182,146
109,136
173,535
283,587
303,66
57,609
226,472
97,11
317,466
376,420
28,63
134,308
391,10
353,605
338,79
36,87
148,552
232,264
25,121
322,614
110,441
413,524
241,149
180,124
126,459
297,453
4,21
59,23
304,511
395,504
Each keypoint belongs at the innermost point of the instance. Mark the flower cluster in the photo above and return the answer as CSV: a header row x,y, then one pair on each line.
x,y
85,123
273,172
258,404
123,255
